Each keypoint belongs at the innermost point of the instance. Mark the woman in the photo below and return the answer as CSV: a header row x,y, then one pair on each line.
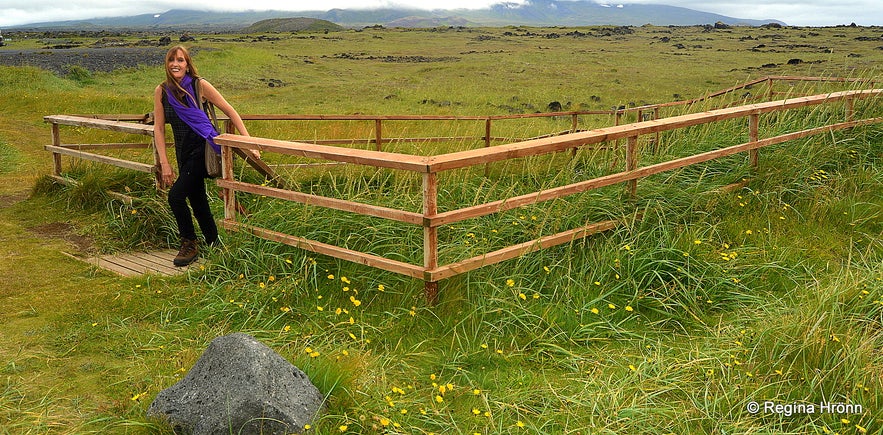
x,y
174,102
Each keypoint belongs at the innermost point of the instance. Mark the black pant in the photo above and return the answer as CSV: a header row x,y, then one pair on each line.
x,y
190,185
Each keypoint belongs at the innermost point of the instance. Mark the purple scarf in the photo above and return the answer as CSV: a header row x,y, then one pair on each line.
x,y
193,115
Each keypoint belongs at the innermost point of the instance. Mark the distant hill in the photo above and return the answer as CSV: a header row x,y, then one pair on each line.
x,y
293,25
583,13
541,13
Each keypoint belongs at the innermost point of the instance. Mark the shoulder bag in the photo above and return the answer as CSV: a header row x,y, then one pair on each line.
x,y
212,158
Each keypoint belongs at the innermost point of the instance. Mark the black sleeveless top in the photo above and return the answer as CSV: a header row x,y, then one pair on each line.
x,y
189,146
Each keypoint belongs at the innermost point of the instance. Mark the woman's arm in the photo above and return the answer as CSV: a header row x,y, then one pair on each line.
x,y
213,96
159,137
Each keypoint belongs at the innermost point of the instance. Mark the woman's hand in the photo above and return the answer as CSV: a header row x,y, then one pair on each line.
x,y
166,174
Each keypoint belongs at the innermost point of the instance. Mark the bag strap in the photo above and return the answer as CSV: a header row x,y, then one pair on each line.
x,y
207,106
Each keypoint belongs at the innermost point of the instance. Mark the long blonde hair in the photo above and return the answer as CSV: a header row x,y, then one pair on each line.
x,y
173,85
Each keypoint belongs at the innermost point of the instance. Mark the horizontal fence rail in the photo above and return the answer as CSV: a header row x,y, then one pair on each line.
x,y
429,167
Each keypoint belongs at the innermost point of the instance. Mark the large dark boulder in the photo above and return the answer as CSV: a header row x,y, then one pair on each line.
x,y
241,386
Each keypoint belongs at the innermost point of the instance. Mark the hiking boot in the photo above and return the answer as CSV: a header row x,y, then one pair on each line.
x,y
187,254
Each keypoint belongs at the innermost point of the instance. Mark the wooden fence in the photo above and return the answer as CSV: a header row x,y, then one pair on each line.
x,y
431,272
429,168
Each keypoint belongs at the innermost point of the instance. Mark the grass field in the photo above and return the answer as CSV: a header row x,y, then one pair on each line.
x,y
679,322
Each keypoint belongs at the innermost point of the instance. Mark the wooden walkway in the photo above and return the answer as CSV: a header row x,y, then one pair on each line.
x,y
134,264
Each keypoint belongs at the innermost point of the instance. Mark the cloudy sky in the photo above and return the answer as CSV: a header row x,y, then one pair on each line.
x,y
792,12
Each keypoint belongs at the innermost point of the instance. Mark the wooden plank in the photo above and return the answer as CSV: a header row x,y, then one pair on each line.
x,y
161,262
378,159
326,249
332,117
120,269
136,166
321,201
103,124
518,250
105,146
125,265
135,264
140,118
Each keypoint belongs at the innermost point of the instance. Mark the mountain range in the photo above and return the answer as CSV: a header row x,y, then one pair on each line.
x,y
542,13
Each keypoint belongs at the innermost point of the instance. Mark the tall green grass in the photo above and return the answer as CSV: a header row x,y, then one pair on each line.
x,y
673,323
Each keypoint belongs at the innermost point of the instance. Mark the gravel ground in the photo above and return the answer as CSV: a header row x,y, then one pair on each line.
x,y
106,59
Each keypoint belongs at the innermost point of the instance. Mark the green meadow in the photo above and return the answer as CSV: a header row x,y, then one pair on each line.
x,y
723,287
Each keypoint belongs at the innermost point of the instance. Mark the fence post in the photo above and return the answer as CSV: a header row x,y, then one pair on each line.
x,y
657,143
631,163
228,195
378,135
753,155
56,141
487,142
430,235
574,125
850,109
157,168
487,133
